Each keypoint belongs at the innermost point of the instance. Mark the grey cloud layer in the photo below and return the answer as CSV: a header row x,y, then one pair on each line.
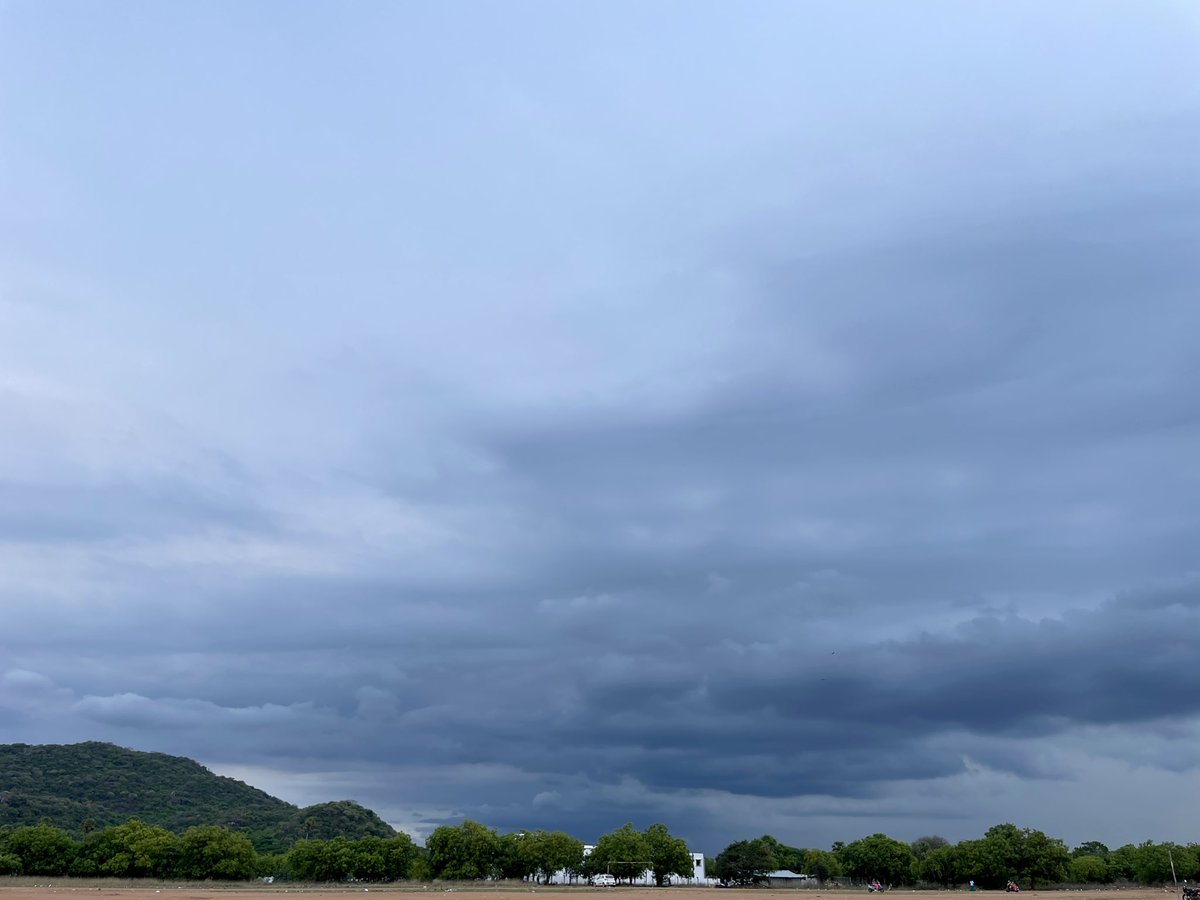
x,y
782,464
774,590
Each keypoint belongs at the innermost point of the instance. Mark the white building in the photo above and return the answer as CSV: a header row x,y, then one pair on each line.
x,y
698,876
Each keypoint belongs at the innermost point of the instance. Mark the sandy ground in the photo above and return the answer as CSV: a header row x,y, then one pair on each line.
x,y
22,890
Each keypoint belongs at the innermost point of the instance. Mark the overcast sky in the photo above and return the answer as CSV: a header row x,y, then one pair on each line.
x,y
755,417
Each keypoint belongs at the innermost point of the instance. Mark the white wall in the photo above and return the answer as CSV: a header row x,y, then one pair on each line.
x,y
699,876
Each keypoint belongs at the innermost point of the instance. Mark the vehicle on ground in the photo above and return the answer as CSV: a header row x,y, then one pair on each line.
x,y
604,880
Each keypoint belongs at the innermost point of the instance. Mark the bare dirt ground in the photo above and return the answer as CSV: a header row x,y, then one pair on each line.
x,y
29,889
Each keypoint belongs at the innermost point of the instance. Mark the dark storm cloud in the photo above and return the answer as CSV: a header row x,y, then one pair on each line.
x,y
997,383
808,447
786,719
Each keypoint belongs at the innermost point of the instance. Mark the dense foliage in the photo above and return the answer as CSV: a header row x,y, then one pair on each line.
x,y
78,810
132,850
84,787
878,856
747,862
750,862
539,854
1024,855
464,852
366,859
668,855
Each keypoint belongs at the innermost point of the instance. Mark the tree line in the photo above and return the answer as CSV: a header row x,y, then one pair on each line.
x,y
470,851
452,852
1005,852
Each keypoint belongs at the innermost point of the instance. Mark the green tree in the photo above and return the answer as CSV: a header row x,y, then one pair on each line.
x,y
939,866
305,860
419,869
820,864
1152,862
539,854
923,845
1121,862
1089,870
132,850
745,862
551,851
513,855
785,857
465,852
368,859
1091,848
42,849
879,856
623,853
1192,874
401,855
212,852
1045,860
967,857
998,856
273,865
1023,854
668,855
323,861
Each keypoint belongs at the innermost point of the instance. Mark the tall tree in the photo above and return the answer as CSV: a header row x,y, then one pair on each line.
x,y
668,855
212,852
820,864
1045,860
42,849
516,848
939,866
622,853
785,857
369,859
923,845
1091,848
401,855
336,859
745,862
466,852
10,863
555,851
1024,854
1152,862
1121,862
132,850
879,856
1089,869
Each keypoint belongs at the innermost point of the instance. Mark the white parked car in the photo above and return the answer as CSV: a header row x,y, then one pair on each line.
x,y
604,881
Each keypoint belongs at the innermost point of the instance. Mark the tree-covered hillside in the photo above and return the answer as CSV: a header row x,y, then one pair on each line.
x,y
83,787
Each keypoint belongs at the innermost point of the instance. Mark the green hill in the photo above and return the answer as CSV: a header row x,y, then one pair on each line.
x,y
81,787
